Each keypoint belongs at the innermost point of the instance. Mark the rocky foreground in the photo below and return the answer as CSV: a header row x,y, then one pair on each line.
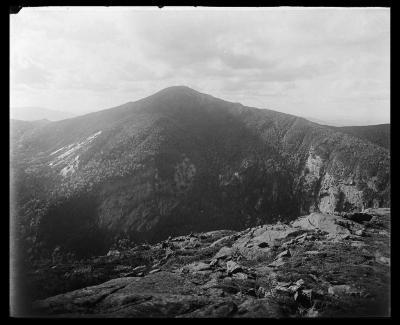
x,y
317,266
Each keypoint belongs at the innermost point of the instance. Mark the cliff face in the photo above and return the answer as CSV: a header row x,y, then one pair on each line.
x,y
182,161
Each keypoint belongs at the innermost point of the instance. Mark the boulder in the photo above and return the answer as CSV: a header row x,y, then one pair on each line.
x,y
224,252
197,267
269,234
282,289
296,286
360,232
258,243
139,268
213,262
325,222
213,283
285,253
154,271
288,243
233,267
114,252
278,262
240,276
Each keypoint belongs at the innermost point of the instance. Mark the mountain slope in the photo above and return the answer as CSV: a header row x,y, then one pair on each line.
x,y
377,134
21,129
181,161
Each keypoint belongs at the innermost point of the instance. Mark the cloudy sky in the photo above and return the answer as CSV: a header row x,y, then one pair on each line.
x,y
326,64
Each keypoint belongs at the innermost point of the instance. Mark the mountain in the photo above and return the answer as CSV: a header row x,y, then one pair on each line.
x,y
37,113
181,161
377,134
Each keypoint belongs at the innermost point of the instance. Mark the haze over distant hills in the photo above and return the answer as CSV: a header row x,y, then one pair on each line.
x,y
30,113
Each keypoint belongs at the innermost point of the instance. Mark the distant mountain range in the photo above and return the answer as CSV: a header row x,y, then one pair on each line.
x,y
181,161
37,113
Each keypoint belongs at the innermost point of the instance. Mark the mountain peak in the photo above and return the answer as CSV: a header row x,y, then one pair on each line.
x,y
179,88
177,91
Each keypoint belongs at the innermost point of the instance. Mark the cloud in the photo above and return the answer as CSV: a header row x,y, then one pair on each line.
x,y
31,75
271,57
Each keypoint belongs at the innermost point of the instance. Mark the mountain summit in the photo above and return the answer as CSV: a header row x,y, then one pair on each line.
x,y
180,161
177,90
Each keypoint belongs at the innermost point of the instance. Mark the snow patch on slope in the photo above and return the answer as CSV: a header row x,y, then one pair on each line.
x,y
70,150
54,152
69,158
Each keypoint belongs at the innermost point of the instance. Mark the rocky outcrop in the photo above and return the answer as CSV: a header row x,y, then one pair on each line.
x,y
312,269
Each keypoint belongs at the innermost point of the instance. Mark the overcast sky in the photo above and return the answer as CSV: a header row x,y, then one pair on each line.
x,y
327,64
